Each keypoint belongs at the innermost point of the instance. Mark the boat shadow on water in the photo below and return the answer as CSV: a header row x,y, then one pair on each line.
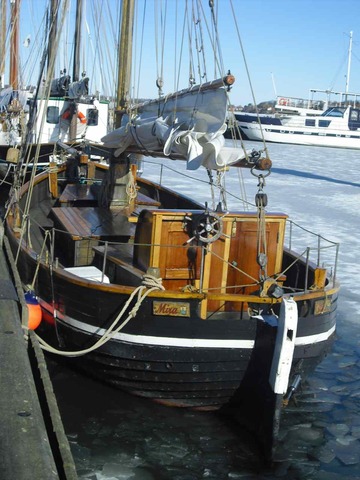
x,y
298,173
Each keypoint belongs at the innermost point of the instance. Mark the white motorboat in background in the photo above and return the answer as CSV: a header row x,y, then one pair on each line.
x,y
336,127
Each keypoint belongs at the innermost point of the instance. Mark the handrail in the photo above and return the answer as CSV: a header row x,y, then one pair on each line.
x,y
321,245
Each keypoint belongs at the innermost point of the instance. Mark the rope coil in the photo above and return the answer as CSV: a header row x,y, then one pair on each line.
x,y
131,189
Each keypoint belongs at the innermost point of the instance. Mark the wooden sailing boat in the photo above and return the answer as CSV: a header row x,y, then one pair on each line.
x,y
157,294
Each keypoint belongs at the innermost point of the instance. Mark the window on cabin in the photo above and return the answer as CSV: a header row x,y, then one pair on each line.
x,y
354,116
52,115
354,119
92,117
324,123
334,112
310,122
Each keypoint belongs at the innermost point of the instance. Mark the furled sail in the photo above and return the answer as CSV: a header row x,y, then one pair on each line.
x,y
60,86
190,123
79,88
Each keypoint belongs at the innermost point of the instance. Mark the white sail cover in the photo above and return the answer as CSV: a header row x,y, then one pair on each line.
x,y
190,124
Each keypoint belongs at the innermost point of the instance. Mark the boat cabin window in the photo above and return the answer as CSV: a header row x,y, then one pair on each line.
x,y
92,117
354,115
310,122
52,115
354,119
334,112
324,123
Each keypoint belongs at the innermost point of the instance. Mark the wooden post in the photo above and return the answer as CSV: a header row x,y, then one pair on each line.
x,y
320,278
133,170
90,172
206,251
53,180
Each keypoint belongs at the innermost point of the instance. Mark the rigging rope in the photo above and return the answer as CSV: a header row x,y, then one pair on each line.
x,y
47,234
216,35
211,182
261,202
220,175
200,47
160,56
248,75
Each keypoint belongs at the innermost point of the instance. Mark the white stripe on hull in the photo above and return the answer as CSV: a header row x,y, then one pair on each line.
x,y
317,338
190,342
163,341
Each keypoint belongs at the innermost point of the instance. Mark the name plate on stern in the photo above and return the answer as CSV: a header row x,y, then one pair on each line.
x,y
172,309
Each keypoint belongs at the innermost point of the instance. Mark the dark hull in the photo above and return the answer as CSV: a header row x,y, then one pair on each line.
x,y
202,378
176,361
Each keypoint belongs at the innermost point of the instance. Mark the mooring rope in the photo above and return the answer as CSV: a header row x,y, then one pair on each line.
x,y
150,284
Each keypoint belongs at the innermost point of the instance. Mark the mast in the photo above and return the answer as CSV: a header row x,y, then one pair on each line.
x,y
54,8
125,58
76,65
14,44
120,176
77,41
2,42
348,69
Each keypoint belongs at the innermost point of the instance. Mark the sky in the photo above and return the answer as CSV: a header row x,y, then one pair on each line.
x,y
300,44
290,46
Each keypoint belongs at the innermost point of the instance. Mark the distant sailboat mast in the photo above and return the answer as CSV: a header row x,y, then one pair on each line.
x,y
348,69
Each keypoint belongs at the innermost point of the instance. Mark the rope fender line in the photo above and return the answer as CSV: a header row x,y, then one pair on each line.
x,y
149,284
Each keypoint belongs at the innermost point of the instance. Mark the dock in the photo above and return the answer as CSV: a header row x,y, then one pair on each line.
x,y
33,443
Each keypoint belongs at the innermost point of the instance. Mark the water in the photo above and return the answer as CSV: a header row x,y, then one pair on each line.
x,y
116,436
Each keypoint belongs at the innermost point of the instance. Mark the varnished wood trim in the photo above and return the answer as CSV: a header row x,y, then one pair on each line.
x,y
156,240
206,280
53,180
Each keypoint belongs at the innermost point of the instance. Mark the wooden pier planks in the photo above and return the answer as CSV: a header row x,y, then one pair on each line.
x,y
25,449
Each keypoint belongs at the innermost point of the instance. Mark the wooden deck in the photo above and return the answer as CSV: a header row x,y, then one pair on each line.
x,y
77,195
80,229
92,222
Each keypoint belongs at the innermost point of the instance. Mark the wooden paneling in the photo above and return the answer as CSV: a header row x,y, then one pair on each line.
x,y
243,255
230,263
178,261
